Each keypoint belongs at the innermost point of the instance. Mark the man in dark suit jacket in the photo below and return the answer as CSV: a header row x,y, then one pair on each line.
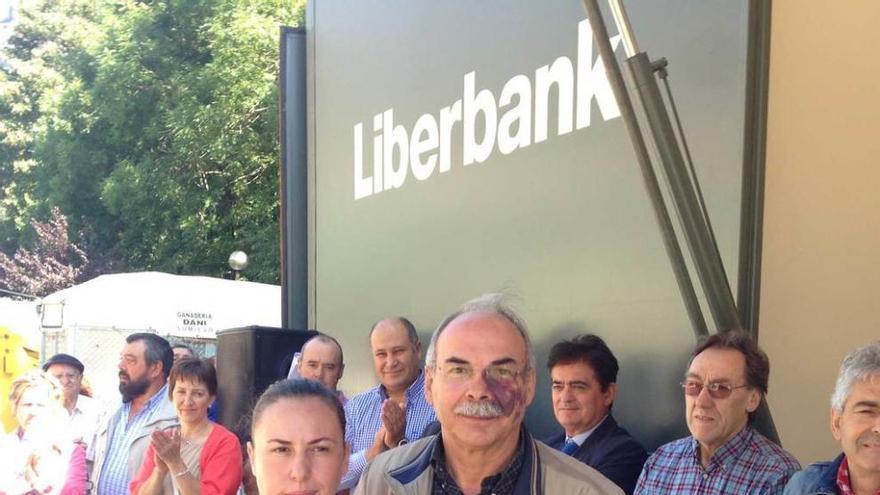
x,y
583,372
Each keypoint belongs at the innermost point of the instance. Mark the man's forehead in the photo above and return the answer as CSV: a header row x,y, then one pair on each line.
x,y
718,364
136,348
319,349
864,390
578,370
388,334
470,334
62,368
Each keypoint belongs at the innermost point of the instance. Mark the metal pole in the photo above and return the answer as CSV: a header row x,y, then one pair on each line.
x,y
626,32
704,252
294,164
670,241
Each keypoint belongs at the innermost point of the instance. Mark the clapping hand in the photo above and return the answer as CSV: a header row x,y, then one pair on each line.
x,y
167,446
394,422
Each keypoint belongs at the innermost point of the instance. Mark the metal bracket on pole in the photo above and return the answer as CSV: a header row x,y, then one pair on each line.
x,y
683,189
670,241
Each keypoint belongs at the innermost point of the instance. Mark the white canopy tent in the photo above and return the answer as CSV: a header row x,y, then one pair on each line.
x,y
91,320
177,305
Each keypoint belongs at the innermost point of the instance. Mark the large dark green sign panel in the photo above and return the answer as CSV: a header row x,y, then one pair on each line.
x,y
463,147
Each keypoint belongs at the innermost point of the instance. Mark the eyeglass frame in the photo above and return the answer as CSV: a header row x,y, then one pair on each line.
x,y
486,372
717,390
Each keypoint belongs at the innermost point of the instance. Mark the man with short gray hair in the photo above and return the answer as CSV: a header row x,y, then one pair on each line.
x,y
855,423
480,378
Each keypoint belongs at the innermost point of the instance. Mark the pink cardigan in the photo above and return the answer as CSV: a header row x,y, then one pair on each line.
x,y
220,463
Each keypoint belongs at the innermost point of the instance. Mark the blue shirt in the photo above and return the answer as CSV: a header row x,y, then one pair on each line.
x,y
747,463
362,421
114,474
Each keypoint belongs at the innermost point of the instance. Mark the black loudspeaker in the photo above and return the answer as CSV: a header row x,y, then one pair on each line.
x,y
249,359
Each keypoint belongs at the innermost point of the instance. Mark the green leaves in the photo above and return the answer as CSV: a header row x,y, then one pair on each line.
x,y
152,125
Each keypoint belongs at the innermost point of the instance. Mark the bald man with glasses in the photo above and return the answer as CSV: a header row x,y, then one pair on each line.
x,y
724,384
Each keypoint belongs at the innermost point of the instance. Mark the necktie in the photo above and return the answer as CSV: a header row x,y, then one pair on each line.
x,y
569,447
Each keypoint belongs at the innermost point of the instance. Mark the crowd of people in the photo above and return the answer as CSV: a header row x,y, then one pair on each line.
x,y
451,426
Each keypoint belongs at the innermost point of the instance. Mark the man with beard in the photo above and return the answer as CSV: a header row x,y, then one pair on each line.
x,y
855,423
121,442
480,378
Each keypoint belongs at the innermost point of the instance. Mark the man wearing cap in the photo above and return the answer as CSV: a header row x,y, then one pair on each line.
x,y
85,412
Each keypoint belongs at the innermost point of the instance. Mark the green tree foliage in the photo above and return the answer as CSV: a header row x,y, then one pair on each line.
x,y
152,125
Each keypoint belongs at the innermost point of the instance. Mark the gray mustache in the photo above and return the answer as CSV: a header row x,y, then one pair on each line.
x,y
870,437
479,409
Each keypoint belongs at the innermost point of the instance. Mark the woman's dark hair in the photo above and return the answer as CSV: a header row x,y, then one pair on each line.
x,y
297,389
194,370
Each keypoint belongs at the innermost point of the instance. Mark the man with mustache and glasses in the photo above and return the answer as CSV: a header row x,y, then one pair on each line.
x,y
120,443
725,382
480,378
395,412
855,423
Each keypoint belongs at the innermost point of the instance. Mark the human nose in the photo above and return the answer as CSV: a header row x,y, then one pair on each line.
x,y
300,467
478,386
704,397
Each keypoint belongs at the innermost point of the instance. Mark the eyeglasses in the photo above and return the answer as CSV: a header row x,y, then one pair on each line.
x,y
716,390
62,377
501,374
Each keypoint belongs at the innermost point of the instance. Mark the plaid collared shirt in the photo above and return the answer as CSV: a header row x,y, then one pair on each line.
x,y
362,421
499,484
114,477
843,479
747,463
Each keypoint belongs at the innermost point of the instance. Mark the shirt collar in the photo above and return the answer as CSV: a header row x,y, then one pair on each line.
x,y
82,405
152,402
580,438
844,484
502,482
416,388
728,452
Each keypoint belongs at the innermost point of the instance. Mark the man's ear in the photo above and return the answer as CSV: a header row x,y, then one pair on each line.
x,y
610,394
753,401
155,370
429,384
531,383
835,424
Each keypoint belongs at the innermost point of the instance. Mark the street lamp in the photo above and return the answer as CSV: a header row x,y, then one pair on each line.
x,y
238,261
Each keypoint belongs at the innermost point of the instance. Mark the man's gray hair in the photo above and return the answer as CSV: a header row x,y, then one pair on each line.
x,y
493,303
860,364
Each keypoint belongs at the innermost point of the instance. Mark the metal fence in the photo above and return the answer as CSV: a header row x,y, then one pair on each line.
x,y
99,349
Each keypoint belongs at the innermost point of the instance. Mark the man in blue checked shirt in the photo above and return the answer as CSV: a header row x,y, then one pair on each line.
x,y
394,412
724,384
121,442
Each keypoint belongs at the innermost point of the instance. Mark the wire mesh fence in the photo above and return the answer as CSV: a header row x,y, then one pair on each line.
x,y
99,350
